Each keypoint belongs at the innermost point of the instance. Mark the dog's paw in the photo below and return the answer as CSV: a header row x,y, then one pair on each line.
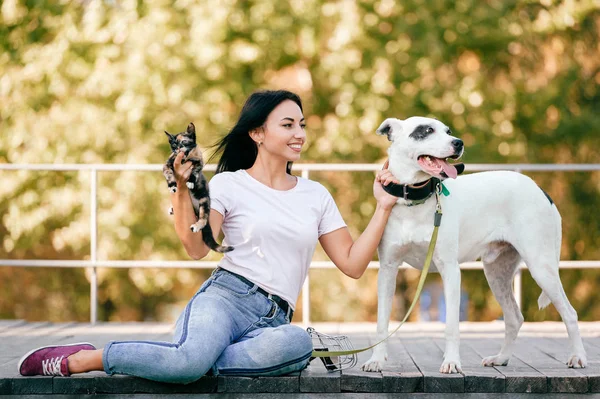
x,y
373,364
496,360
173,189
577,361
171,211
189,185
451,367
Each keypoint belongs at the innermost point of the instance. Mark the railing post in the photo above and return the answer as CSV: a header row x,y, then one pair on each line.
x,y
93,244
306,286
518,280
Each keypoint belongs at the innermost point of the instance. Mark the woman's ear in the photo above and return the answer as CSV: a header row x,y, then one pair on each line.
x,y
258,135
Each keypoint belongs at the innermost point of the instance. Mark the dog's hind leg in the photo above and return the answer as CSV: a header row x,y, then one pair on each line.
x,y
499,265
545,273
386,286
541,253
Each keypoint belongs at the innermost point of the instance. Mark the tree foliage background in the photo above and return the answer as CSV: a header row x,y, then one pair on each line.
x,y
98,82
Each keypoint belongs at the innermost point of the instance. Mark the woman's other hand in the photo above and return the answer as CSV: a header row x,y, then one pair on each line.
x,y
383,178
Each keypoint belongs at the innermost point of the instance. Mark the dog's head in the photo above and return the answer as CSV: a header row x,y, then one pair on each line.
x,y
420,147
185,141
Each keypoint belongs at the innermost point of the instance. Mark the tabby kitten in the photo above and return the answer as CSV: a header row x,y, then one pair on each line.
x,y
197,183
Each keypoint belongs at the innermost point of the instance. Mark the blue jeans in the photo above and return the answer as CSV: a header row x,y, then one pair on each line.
x,y
228,328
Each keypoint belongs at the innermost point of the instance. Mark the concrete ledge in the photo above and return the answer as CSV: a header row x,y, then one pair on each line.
x,y
414,358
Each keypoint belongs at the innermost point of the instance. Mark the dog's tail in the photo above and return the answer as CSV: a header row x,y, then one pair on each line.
x,y
207,237
543,300
558,234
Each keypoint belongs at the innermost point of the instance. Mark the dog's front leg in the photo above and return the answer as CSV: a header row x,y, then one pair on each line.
x,y
451,279
386,286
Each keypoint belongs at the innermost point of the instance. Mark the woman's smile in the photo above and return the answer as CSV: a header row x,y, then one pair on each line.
x,y
296,147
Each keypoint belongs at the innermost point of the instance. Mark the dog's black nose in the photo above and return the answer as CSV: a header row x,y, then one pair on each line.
x,y
457,144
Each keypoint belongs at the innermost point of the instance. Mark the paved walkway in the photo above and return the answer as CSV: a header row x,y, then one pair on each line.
x,y
415,357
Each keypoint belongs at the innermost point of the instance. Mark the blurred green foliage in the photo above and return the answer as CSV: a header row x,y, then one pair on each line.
x,y
98,82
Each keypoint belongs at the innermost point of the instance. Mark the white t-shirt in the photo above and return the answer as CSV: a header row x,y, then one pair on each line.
x,y
274,233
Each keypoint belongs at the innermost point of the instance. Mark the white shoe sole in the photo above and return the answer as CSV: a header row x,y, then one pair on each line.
x,y
44,347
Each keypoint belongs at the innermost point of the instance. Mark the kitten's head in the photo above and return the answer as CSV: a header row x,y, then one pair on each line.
x,y
185,141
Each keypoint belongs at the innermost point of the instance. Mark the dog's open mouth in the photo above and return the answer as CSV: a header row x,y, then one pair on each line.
x,y
438,166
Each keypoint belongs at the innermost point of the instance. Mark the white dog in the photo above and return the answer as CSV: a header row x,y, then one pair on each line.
x,y
500,217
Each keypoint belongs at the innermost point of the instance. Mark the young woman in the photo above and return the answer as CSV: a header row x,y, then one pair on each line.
x,y
238,323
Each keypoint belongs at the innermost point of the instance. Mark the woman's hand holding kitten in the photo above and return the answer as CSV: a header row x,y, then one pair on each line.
x,y
182,171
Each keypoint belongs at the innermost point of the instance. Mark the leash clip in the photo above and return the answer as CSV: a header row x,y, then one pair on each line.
x,y
437,218
438,202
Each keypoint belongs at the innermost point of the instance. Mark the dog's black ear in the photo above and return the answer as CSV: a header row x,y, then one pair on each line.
x,y
386,128
170,136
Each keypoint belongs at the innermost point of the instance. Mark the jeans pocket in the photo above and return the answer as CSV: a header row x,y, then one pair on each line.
x,y
272,311
271,319
269,313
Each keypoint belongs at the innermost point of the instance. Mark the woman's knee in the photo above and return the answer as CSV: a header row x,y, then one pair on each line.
x,y
186,372
299,349
186,367
304,340
296,339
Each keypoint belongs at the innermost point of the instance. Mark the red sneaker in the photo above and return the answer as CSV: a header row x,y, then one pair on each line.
x,y
50,360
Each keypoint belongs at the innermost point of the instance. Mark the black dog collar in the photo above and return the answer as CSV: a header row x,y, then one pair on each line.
x,y
411,193
422,190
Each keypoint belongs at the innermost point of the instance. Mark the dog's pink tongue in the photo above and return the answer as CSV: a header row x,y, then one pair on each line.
x,y
449,169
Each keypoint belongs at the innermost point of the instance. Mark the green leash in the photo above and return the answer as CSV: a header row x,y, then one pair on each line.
x,y
436,223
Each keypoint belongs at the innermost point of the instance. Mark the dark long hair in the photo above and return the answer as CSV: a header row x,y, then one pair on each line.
x,y
238,150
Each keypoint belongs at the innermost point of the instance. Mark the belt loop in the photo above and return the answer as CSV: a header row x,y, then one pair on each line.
x,y
289,313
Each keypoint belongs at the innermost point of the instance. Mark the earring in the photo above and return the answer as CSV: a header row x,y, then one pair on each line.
x,y
259,143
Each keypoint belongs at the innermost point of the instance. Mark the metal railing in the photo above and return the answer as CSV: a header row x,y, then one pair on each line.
x,y
93,263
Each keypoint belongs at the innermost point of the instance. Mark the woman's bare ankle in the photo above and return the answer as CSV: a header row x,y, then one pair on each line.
x,y
85,360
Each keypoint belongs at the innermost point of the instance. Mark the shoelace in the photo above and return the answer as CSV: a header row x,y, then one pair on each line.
x,y
52,366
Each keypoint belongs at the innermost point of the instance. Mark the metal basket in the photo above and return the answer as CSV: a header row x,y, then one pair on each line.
x,y
333,343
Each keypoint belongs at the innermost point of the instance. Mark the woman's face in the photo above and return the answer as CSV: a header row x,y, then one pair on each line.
x,y
283,133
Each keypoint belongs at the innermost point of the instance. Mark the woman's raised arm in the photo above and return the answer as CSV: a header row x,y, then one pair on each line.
x,y
353,257
185,216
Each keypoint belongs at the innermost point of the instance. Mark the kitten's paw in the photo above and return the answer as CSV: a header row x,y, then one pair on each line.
x,y
171,212
173,189
189,185
196,227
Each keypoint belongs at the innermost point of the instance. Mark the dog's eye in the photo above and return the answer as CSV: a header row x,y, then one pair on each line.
x,y
430,130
